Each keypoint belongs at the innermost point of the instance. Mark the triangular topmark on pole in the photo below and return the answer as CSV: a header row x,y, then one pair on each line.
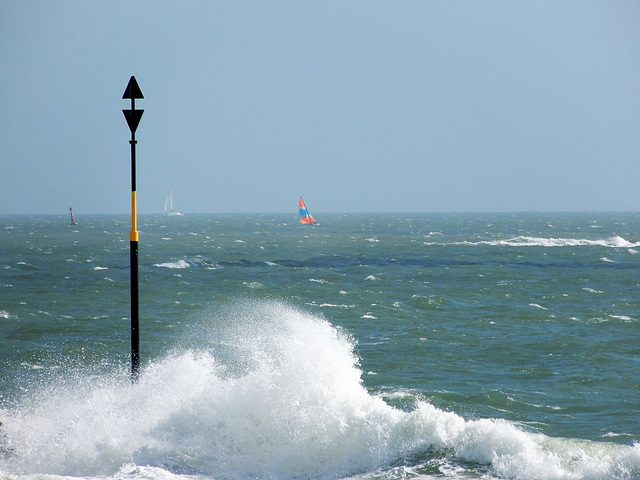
x,y
133,90
133,118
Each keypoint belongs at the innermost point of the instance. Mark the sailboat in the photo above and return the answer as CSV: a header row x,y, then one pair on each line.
x,y
168,205
305,216
73,220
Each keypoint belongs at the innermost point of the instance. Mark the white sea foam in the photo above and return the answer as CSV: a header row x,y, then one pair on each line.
x,y
536,305
268,391
591,290
334,305
178,264
526,241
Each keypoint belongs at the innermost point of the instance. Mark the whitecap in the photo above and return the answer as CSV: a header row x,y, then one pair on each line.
x,y
591,290
333,305
178,264
528,241
618,241
536,305
269,391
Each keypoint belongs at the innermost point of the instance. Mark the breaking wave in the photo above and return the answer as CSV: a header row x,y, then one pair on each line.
x,y
266,390
525,241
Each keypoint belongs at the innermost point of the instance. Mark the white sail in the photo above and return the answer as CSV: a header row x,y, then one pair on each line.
x,y
168,205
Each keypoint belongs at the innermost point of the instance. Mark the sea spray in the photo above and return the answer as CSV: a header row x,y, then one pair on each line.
x,y
270,391
285,399
292,402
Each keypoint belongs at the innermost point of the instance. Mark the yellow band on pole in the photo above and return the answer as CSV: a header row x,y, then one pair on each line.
x,y
134,220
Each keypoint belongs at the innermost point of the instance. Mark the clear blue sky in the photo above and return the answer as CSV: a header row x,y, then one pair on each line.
x,y
398,106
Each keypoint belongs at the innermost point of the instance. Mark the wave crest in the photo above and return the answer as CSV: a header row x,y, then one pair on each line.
x,y
269,391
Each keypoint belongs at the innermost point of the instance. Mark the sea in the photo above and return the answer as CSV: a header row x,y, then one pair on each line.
x,y
367,346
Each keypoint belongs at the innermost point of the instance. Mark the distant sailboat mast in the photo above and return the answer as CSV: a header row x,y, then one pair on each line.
x,y
305,216
73,220
168,205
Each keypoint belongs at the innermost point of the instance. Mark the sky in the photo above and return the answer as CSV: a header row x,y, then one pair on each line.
x,y
358,106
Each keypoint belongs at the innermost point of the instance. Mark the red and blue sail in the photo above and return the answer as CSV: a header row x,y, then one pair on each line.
x,y
305,216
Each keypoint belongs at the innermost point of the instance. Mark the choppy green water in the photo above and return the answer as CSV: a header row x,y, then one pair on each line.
x,y
428,324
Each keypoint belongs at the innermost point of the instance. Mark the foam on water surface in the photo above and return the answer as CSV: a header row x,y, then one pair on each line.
x,y
266,390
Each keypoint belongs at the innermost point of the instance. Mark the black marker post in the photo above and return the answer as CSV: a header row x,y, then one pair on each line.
x,y
133,117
